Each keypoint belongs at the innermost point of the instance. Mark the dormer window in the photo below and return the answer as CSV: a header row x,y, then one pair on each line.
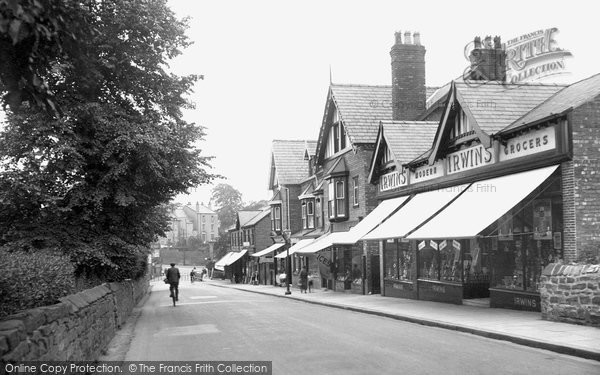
x,y
387,156
337,139
462,125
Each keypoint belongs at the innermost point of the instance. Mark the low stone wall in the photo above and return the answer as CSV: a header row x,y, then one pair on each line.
x,y
571,294
79,327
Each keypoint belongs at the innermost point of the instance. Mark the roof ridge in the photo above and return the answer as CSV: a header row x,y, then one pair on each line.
x,y
359,85
294,140
496,83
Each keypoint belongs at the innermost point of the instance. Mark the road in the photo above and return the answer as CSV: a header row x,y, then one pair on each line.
x,y
213,323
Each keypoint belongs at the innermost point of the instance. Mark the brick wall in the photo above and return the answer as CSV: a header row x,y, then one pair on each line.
x,y
408,80
569,220
571,294
262,234
586,170
79,327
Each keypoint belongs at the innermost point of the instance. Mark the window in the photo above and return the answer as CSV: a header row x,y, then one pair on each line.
x,y
398,260
462,125
336,199
387,156
212,219
340,198
355,190
203,219
319,213
276,218
308,214
337,139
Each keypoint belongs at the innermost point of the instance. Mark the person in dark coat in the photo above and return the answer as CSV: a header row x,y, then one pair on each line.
x,y
303,280
172,275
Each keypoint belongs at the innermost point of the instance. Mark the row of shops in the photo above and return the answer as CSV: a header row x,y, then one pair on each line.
x,y
463,202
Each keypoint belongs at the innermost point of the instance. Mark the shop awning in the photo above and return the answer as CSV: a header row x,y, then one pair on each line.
x,y
221,263
297,246
323,242
418,209
482,204
379,214
268,250
229,259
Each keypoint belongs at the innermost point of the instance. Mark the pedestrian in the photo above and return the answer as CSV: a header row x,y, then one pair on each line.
x,y
303,279
193,275
172,276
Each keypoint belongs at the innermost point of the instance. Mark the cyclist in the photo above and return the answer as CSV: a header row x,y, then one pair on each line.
x,y
172,275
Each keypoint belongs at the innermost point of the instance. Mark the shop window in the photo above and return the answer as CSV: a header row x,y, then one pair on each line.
x,y
528,239
398,260
276,218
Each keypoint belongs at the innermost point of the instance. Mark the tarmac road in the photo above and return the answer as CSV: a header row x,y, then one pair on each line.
x,y
221,324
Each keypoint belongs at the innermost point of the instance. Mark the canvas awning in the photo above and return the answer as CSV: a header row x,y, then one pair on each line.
x,y
235,256
324,242
268,250
379,214
297,246
414,212
482,204
220,264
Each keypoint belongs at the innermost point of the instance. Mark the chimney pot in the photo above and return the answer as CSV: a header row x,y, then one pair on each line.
x,y
407,38
398,35
477,42
417,38
497,42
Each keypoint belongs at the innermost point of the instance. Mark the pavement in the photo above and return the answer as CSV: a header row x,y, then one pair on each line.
x,y
519,327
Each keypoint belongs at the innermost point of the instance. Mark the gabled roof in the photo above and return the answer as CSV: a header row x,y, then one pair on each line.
x,y
338,167
289,163
494,105
244,216
361,108
265,212
569,97
408,139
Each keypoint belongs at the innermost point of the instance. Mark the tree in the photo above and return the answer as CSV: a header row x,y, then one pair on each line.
x,y
258,205
228,201
95,146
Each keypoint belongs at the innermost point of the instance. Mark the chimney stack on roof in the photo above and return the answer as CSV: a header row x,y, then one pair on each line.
x,y
408,77
488,60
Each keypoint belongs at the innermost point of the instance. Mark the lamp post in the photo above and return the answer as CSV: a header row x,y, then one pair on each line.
x,y
288,273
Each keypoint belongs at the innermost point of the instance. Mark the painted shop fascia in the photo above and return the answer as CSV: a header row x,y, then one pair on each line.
x,y
536,147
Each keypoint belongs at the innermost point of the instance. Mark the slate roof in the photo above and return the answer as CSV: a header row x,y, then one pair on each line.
x,y
409,139
572,96
495,106
362,107
288,156
244,216
264,213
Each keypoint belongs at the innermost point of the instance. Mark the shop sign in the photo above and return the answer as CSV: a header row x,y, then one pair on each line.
x,y
266,259
443,244
529,144
542,219
421,245
427,172
392,180
456,244
469,158
433,244
324,264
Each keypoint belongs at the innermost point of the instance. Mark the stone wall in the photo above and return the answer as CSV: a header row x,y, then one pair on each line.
x,y
79,327
571,294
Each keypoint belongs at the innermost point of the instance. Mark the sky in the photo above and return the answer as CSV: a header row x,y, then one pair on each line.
x,y
267,63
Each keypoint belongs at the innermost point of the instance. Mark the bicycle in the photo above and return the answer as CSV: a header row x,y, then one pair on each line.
x,y
174,293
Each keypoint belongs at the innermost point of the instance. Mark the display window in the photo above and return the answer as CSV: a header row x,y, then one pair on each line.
x,y
398,260
528,238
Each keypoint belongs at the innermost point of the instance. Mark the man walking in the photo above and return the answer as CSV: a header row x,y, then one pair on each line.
x,y
172,275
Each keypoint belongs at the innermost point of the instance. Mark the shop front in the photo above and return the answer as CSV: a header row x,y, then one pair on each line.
x,y
265,269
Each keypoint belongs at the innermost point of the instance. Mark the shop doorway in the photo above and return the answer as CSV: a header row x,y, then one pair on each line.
x,y
375,275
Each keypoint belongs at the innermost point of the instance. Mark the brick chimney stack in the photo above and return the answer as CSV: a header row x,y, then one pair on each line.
x,y
488,61
408,77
